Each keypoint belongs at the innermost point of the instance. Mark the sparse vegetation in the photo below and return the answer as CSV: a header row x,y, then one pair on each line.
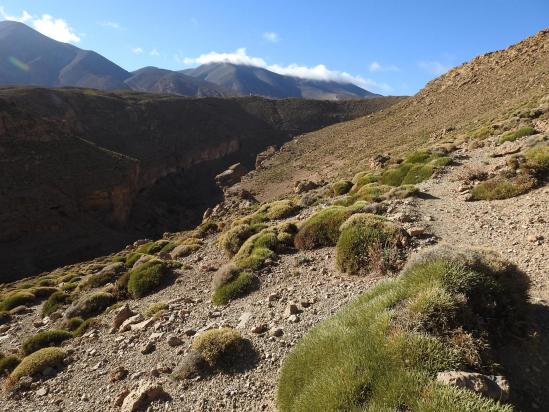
x,y
37,362
218,346
322,228
45,339
147,278
276,210
511,136
374,355
84,326
501,187
369,243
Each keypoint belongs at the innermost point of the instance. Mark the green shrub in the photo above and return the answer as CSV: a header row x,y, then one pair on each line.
x,y
372,355
256,250
151,248
44,339
218,346
341,187
67,287
206,228
90,305
362,179
118,258
242,284
8,364
322,228
168,247
481,133
41,292
132,258
416,168
98,279
369,243
84,326
500,187
147,278
37,362
54,302
279,209
511,136
72,324
155,308
232,239
19,298
537,160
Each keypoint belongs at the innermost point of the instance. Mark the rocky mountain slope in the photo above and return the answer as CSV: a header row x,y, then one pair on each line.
x,y
463,99
29,58
85,172
336,295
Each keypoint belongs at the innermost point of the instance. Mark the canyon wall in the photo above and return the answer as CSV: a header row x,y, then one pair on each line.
x,y
85,172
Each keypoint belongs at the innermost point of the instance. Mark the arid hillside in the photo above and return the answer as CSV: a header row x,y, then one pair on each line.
x,y
84,172
466,96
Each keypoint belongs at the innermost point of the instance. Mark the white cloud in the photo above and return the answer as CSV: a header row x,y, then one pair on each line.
x,y
137,50
57,29
378,67
434,67
271,37
318,72
111,24
154,52
25,16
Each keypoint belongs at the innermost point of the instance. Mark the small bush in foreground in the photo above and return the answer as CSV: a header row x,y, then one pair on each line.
x,y
147,278
500,187
256,250
45,339
242,284
374,355
132,258
84,326
37,362
322,228
17,299
218,346
369,243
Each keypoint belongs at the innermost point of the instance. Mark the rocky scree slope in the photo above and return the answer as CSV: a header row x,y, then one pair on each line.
x,y
84,172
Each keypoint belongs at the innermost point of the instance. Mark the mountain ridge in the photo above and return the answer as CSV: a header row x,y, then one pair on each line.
x,y
27,57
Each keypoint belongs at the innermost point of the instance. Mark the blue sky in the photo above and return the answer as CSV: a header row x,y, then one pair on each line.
x,y
390,47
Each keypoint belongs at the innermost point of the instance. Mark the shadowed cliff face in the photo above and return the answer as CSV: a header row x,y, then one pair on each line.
x,y
84,172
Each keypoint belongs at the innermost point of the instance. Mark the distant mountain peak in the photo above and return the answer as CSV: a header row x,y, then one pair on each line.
x,y
27,57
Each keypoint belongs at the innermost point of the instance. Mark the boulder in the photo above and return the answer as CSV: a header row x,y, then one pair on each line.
x,y
231,176
139,398
120,316
264,156
303,186
494,387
